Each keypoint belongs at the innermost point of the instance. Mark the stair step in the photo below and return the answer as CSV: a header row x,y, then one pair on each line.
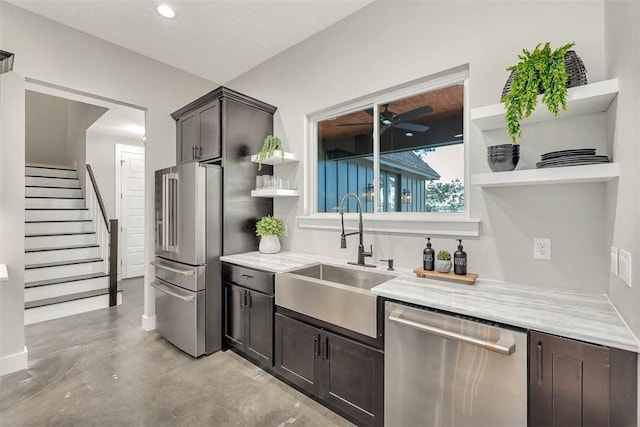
x,y
58,226
60,269
49,181
55,240
61,248
61,263
53,308
52,290
58,234
54,202
32,191
60,280
61,253
41,214
57,172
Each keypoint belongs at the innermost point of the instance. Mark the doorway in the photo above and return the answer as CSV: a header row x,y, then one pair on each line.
x,y
130,208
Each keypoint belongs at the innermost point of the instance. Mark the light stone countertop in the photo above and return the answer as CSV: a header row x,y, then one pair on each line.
x,y
579,315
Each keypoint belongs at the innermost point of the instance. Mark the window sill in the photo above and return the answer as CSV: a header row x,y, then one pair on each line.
x,y
409,224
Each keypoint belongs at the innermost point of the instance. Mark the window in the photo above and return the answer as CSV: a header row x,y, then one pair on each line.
x,y
400,150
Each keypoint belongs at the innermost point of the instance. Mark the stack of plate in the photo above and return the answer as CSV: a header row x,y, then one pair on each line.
x,y
576,157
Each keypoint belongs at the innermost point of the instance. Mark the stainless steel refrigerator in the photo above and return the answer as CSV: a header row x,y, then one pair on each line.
x,y
193,230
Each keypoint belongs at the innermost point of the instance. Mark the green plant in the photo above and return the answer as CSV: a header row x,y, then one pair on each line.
x,y
269,146
444,255
269,226
543,68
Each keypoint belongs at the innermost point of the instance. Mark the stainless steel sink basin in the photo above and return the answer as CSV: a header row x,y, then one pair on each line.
x,y
334,294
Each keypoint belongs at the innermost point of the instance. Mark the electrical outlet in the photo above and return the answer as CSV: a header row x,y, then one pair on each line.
x,y
541,248
614,261
625,266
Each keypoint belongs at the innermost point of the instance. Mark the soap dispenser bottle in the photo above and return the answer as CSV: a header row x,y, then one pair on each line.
x,y
428,256
460,260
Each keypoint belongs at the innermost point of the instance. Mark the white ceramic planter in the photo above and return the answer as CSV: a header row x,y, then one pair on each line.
x,y
443,266
269,244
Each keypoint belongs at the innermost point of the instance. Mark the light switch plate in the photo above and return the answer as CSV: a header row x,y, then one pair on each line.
x,y
625,266
614,261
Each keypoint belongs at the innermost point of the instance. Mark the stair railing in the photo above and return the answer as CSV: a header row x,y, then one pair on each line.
x,y
106,232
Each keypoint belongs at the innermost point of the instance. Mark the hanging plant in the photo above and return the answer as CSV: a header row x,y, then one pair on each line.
x,y
269,146
542,69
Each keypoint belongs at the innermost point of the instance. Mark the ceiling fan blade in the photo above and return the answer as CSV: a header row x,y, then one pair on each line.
x,y
421,111
412,127
383,128
355,124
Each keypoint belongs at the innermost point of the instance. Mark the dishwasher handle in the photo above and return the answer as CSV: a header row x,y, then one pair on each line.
x,y
501,348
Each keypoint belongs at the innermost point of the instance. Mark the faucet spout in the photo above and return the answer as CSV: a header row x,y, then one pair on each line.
x,y
362,254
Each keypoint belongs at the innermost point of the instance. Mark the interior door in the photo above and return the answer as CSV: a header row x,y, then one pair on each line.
x,y
132,214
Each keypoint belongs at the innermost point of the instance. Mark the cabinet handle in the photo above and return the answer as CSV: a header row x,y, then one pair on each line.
x,y
197,152
539,363
248,299
325,348
193,151
316,348
247,276
244,298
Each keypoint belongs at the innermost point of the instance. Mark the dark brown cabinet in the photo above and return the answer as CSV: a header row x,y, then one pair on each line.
x,y
207,127
579,384
347,375
248,318
198,134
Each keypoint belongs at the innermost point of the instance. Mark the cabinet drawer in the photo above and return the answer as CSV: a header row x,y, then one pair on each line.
x,y
257,280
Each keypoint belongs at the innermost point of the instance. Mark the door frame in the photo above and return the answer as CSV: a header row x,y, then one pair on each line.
x,y
119,149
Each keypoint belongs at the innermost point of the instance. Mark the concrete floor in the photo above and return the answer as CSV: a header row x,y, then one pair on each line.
x,y
101,369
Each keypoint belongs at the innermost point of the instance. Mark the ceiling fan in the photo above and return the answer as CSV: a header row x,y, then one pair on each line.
x,y
390,119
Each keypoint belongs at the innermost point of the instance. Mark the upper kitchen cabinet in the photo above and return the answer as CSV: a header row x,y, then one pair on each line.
x,y
217,123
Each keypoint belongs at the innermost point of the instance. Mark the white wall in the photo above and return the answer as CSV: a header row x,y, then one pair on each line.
x,y
46,130
92,66
101,156
389,43
13,355
622,38
80,117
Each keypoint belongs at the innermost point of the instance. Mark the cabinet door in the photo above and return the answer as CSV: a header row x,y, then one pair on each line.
x,y
209,140
234,324
187,137
259,331
568,382
353,378
297,353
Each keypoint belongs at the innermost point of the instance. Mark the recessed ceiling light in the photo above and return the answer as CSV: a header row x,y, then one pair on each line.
x,y
408,134
459,135
166,11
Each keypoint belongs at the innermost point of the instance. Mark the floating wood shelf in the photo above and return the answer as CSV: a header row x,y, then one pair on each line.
x,y
586,99
276,159
565,175
275,192
467,279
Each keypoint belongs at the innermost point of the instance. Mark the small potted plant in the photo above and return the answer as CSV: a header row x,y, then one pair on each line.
x,y
443,261
269,146
269,229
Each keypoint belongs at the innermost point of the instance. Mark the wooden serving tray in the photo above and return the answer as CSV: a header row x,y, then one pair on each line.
x,y
467,279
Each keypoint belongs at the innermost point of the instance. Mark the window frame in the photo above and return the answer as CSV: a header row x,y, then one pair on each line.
x,y
437,223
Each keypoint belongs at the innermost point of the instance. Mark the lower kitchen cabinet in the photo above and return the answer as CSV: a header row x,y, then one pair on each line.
x,y
579,384
248,325
345,374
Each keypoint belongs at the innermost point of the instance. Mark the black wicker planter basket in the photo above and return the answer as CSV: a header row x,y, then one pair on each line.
x,y
575,69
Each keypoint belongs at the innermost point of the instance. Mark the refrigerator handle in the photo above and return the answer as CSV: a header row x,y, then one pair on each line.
x,y
165,212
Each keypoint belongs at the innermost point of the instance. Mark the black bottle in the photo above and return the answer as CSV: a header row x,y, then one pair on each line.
x,y
460,260
428,255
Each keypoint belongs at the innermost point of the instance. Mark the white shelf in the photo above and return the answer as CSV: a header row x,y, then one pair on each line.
x,y
276,159
586,99
564,175
275,192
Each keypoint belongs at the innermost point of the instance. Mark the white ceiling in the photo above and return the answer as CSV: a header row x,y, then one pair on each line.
x,y
218,40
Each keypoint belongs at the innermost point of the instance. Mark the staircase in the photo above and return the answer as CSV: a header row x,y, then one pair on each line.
x,y
65,266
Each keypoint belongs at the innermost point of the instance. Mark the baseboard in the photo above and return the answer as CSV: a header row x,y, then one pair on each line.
x,y
148,323
14,362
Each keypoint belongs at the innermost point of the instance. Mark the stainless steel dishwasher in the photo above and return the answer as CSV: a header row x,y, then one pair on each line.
x,y
443,370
